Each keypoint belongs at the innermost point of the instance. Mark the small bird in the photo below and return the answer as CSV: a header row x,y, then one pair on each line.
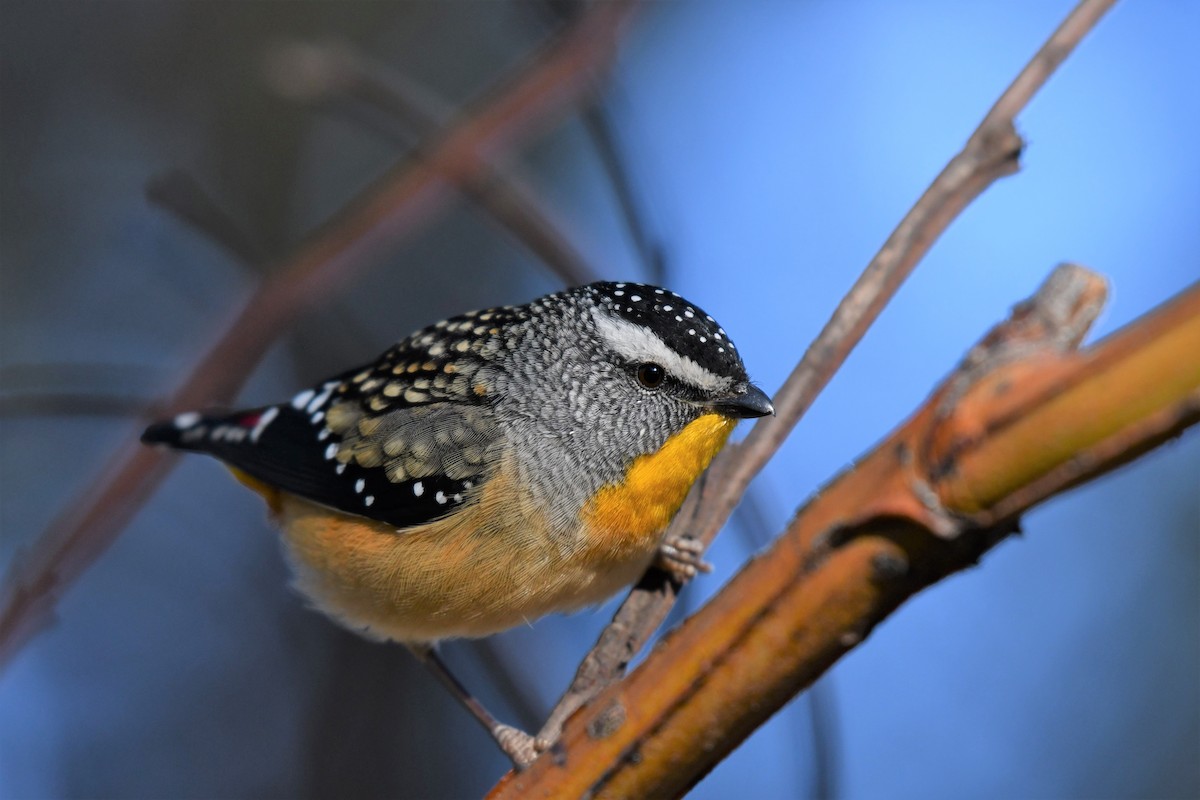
x,y
493,467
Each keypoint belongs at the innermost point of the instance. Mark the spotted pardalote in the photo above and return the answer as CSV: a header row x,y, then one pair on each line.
x,y
492,467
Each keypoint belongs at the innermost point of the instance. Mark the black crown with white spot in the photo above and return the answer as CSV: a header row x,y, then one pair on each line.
x,y
684,327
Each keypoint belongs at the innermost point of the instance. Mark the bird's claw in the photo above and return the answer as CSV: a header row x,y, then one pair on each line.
x,y
681,557
516,744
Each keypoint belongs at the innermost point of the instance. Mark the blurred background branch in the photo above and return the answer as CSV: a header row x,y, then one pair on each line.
x,y
407,195
327,73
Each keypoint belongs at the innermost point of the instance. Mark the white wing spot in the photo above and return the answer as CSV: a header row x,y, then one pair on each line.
x,y
637,298
331,451
320,399
264,420
302,399
368,500
359,485
186,420
339,469
440,497
418,488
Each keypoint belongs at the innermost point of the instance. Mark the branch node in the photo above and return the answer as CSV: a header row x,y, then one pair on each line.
x,y
889,566
607,722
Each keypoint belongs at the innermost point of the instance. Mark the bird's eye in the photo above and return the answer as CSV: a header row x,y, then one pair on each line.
x,y
651,375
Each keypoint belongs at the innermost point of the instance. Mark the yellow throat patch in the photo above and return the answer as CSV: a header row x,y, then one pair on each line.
x,y
644,502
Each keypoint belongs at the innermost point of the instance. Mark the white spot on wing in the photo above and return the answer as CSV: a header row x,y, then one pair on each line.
x,y
264,420
320,399
187,420
302,399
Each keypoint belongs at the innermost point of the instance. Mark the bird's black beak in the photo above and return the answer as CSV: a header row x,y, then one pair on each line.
x,y
750,402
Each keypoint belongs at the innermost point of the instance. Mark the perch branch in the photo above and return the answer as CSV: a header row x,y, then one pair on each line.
x,y
1024,417
406,195
992,152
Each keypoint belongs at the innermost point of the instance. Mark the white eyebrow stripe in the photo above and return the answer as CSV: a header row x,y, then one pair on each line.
x,y
637,344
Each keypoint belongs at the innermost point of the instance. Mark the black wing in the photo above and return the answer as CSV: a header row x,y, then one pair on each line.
x,y
404,441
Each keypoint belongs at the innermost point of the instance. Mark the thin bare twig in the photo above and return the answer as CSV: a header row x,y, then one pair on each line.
x,y
992,152
405,196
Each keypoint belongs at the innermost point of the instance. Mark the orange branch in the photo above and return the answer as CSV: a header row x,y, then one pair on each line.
x,y
1022,418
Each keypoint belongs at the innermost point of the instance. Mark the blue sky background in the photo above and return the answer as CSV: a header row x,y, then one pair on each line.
x,y
773,146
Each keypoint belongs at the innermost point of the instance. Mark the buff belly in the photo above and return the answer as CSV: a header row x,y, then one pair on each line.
x,y
496,562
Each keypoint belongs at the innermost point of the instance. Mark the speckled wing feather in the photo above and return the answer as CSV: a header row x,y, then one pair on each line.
x,y
404,440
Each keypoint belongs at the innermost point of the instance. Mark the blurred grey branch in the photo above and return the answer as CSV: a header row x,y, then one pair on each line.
x,y
331,74
405,197
992,152
182,195
76,389
649,249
